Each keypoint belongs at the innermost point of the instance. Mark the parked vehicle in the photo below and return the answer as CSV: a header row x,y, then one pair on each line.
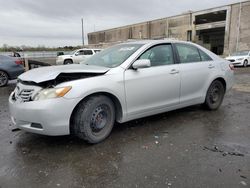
x,y
122,83
76,56
241,58
10,69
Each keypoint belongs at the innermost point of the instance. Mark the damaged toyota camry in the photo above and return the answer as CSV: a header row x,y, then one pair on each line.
x,y
119,84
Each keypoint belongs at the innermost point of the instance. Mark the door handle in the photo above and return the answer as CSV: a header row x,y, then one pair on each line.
x,y
174,71
211,66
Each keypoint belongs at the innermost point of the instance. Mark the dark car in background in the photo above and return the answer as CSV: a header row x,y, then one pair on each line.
x,y
10,69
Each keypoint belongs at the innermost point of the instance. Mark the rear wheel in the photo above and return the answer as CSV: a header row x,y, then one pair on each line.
x,y
3,78
68,61
245,63
94,118
215,95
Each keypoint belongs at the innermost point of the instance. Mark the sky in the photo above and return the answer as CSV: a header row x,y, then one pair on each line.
x,y
54,23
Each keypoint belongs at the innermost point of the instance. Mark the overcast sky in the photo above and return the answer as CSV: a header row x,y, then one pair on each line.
x,y
58,22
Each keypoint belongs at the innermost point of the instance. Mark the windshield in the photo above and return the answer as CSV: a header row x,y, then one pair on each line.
x,y
243,53
114,56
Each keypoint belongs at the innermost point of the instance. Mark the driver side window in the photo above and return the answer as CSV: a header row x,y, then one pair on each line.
x,y
159,55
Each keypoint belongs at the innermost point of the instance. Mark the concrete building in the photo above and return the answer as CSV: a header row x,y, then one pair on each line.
x,y
223,30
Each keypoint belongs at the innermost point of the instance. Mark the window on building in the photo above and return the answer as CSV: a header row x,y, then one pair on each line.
x,y
189,35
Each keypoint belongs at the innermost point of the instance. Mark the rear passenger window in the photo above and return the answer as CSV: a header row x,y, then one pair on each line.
x,y
204,56
86,52
188,53
159,55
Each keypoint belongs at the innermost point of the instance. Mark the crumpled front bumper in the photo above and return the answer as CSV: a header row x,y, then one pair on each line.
x,y
48,117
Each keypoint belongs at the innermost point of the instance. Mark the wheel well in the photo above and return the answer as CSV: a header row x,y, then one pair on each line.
x,y
67,59
223,82
115,100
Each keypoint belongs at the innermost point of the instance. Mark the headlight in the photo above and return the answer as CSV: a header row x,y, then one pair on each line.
x,y
51,93
240,59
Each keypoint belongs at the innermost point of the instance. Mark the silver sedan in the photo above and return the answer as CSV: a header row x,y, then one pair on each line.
x,y
122,83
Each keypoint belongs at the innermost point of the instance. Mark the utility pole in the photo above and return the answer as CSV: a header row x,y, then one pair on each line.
x,y
82,33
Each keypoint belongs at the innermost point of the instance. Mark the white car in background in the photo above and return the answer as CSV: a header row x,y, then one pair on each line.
x,y
76,56
241,58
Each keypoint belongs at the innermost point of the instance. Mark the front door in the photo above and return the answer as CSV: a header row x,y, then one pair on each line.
x,y
155,88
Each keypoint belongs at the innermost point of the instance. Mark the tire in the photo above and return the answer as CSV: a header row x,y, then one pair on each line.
x,y
215,95
4,78
68,61
245,63
94,119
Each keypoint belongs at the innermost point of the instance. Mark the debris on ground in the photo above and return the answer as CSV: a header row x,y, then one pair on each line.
x,y
243,183
15,130
244,177
224,153
25,150
144,147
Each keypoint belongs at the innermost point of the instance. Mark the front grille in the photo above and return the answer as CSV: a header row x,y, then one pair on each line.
x,y
26,94
231,60
23,95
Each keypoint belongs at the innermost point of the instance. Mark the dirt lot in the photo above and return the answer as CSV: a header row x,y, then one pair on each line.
x,y
190,147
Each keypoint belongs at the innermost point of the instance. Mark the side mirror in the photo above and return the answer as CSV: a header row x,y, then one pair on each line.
x,y
142,63
77,53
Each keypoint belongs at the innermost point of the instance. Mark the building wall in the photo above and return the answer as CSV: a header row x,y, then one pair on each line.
x,y
239,34
173,27
178,27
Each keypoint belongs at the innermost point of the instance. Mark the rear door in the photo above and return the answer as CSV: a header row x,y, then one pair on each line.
x,y
196,67
149,90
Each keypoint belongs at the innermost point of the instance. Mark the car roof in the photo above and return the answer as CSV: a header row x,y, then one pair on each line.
x,y
89,49
143,42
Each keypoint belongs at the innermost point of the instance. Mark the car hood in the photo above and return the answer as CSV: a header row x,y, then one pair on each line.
x,y
235,57
43,74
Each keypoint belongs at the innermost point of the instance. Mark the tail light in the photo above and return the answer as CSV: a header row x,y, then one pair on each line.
x,y
231,66
18,62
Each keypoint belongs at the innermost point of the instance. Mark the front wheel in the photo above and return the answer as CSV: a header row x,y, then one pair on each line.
x,y
68,61
3,78
245,63
94,118
215,95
